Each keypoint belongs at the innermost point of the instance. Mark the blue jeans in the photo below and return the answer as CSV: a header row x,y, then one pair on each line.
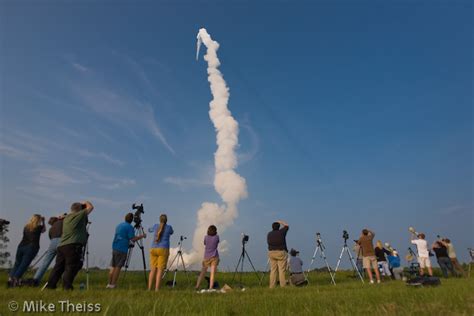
x,y
445,265
48,258
24,256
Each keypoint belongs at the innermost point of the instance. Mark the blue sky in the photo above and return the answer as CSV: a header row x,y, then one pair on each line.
x,y
351,116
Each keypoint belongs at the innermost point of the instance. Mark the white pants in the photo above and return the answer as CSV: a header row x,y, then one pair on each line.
x,y
383,268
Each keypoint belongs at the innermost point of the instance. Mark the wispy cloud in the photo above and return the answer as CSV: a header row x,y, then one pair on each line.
x,y
106,182
184,183
80,67
254,143
122,109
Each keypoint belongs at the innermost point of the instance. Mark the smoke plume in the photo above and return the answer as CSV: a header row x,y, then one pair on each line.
x,y
228,184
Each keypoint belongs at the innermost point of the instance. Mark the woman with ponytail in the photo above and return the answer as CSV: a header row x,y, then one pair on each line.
x,y
160,251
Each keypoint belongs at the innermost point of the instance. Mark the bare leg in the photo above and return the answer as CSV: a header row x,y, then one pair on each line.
x,y
430,271
377,274
151,277
213,273
158,279
422,272
111,273
115,275
201,276
369,273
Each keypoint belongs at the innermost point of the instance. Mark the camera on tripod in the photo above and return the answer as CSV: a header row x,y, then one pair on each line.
x,y
345,235
181,238
245,239
137,218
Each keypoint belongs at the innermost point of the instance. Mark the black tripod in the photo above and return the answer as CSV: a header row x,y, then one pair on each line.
x,y
138,231
240,263
178,257
345,248
85,255
320,247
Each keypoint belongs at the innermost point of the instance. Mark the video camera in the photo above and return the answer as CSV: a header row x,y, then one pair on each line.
x,y
345,235
137,218
245,239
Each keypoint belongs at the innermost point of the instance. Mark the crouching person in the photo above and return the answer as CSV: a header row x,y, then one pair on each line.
x,y
394,262
297,277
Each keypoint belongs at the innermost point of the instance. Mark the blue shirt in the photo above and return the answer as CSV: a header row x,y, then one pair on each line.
x,y
165,237
123,233
394,261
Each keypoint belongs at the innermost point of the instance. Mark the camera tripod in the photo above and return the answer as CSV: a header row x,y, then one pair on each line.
x,y
471,254
178,257
85,254
138,231
320,247
240,264
345,248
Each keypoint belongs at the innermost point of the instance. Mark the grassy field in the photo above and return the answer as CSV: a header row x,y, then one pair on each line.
x,y
348,297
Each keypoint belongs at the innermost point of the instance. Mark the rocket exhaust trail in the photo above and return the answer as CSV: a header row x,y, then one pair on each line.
x,y
230,186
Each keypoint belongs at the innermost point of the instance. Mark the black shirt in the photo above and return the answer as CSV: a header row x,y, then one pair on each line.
x,y
56,229
276,239
441,252
31,237
380,253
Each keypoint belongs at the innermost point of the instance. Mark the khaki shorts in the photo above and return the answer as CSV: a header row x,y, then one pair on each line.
x,y
118,259
369,262
424,262
159,257
206,263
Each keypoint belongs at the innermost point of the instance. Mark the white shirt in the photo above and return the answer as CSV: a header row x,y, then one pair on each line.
x,y
451,252
422,246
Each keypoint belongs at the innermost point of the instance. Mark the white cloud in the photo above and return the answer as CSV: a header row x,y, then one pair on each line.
x,y
184,183
80,67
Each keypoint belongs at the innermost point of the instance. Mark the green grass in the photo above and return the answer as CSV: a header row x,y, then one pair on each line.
x,y
348,297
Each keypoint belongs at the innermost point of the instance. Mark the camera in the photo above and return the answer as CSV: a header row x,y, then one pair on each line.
x,y
345,235
245,238
137,216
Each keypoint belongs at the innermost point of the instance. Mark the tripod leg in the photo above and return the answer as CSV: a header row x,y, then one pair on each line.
x,y
184,267
339,261
169,267
312,259
354,266
127,262
237,267
256,273
328,266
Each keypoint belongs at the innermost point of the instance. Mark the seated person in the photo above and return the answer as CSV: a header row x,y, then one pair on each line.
x,y
297,276
394,262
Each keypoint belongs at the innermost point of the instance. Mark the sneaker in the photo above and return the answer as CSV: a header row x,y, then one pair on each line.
x,y
371,282
110,286
378,281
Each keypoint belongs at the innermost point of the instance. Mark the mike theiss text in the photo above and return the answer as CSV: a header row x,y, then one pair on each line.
x,y
64,306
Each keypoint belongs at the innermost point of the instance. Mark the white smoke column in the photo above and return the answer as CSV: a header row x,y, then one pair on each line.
x,y
231,187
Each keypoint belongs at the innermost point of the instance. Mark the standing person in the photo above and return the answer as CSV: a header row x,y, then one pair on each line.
x,y
443,258
124,235
160,251
70,257
423,253
368,254
380,253
297,276
27,248
394,263
54,233
211,256
452,256
277,253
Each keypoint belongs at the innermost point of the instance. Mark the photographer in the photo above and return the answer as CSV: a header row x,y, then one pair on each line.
x,y
54,233
211,256
27,249
380,253
368,254
124,236
297,277
452,256
442,257
70,258
423,253
277,253
394,262
160,251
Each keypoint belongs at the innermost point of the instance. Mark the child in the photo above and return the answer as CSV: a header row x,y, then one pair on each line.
x,y
211,256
